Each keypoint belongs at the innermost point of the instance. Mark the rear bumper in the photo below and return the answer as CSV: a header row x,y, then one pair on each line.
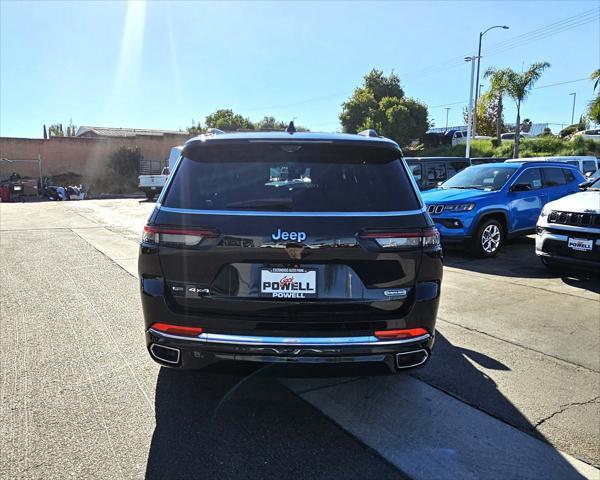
x,y
206,349
154,188
254,340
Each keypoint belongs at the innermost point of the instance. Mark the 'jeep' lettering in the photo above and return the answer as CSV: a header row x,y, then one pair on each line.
x,y
283,235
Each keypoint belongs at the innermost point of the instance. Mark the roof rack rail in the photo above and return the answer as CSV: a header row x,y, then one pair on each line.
x,y
369,133
214,131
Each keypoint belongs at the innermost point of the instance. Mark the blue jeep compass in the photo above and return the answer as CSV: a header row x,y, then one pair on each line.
x,y
484,204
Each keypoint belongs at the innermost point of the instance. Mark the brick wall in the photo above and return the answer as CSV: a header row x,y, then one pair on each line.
x,y
84,156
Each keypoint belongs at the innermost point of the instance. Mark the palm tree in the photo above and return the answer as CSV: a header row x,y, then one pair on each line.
x,y
595,76
517,86
594,110
497,90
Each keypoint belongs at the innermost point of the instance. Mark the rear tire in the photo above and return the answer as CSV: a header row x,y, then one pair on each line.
x,y
150,196
488,239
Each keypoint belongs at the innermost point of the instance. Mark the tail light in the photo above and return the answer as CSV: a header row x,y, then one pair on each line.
x,y
428,237
401,334
176,237
177,329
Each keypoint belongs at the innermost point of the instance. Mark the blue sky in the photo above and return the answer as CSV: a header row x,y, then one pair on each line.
x,y
162,64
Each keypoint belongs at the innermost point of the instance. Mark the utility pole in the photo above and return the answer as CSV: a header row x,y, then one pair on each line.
x,y
447,111
481,34
470,113
573,111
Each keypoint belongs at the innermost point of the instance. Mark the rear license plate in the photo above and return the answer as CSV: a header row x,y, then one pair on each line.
x,y
288,283
580,244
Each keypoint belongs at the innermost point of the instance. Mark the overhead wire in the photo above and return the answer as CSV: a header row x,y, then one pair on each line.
x,y
532,36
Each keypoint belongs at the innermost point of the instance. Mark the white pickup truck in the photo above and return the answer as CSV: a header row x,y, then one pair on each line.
x,y
152,185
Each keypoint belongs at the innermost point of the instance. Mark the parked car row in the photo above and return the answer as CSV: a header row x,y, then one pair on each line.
x,y
484,205
430,172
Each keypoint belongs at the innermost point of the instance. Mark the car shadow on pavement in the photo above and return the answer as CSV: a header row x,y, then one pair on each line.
x,y
518,259
452,370
240,422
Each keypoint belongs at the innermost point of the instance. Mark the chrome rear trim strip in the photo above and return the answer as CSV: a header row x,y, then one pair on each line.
x,y
301,359
260,213
289,341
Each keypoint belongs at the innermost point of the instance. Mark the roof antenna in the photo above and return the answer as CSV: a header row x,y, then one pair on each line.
x,y
291,128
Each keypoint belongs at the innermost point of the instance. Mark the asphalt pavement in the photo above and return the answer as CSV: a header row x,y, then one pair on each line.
x,y
514,374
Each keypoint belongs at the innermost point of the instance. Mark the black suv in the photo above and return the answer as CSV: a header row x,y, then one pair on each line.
x,y
290,247
429,172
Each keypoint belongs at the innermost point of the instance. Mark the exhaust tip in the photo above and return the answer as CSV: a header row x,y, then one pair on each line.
x,y
165,354
411,359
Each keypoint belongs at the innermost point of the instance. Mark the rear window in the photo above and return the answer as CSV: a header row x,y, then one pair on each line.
x,y
569,177
589,166
295,178
553,177
416,171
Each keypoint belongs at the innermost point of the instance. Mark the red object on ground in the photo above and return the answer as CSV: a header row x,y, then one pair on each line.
x,y
4,193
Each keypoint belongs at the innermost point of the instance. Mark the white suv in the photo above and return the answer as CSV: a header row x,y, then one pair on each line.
x,y
568,230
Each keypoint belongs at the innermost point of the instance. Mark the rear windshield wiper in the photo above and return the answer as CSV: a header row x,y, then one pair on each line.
x,y
266,204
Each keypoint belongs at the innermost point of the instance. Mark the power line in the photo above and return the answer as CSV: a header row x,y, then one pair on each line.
x,y
540,33
536,88
561,83
495,49
446,105
557,24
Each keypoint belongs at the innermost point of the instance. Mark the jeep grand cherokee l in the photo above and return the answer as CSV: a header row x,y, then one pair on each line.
x,y
290,247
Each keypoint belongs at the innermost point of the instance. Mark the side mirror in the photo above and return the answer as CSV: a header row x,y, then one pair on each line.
x,y
521,187
584,185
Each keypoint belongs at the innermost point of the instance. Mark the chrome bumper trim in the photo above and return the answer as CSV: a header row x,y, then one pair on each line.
x,y
265,213
210,338
302,359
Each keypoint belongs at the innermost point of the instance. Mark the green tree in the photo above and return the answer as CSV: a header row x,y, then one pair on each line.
x,y
270,123
125,161
526,125
380,103
56,130
225,119
196,128
517,86
71,128
594,110
489,114
497,90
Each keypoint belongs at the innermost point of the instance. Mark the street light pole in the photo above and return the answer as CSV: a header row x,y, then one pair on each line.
x,y
573,111
447,111
470,113
477,91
